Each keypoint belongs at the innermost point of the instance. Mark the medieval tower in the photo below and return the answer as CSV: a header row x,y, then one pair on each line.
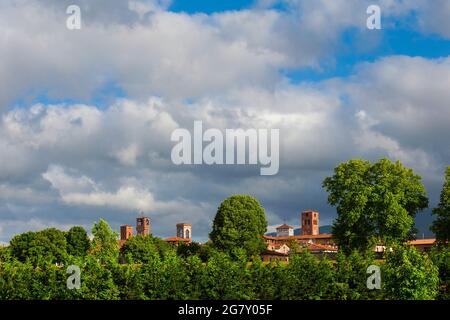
x,y
310,223
143,226
184,230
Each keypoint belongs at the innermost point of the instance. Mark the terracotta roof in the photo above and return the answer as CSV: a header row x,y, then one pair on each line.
x,y
318,236
284,226
422,242
176,239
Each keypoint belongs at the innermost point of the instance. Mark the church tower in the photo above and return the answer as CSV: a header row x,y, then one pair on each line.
x,y
184,230
143,226
310,223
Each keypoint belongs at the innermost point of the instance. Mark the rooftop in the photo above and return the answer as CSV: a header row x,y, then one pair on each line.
x,y
285,226
300,237
177,239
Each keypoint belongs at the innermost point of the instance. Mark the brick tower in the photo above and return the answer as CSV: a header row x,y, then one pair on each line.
x,y
184,230
310,223
126,232
143,227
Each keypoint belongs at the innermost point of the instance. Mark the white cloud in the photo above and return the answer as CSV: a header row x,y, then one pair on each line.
x,y
114,159
82,190
128,155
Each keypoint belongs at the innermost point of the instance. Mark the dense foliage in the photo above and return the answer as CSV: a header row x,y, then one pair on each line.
x,y
376,203
149,268
441,226
240,222
410,275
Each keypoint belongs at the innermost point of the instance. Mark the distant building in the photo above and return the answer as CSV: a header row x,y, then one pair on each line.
x,y
279,247
126,231
315,242
143,226
269,255
323,238
184,234
184,230
310,223
285,231
422,244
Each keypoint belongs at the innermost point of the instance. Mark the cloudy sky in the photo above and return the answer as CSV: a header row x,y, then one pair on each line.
x,y
86,115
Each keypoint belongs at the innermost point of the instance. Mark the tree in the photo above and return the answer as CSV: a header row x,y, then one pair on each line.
x,y
97,281
351,276
227,278
202,251
265,284
441,258
409,275
48,245
306,277
104,244
441,226
77,241
240,222
142,249
376,203
5,254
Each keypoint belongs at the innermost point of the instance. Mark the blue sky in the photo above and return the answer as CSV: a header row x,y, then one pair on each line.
x,y
208,7
400,37
87,115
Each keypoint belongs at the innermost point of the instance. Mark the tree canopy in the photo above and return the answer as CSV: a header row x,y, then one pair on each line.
x,y
48,245
240,222
78,242
143,249
104,244
441,226
409,275
375,202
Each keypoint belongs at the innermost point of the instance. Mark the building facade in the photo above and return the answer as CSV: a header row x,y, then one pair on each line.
x,y
184,230
143,226
310,223
285,231
126,232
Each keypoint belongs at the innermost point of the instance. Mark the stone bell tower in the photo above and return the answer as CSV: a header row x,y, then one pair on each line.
x,y
310,223
184,230
143,226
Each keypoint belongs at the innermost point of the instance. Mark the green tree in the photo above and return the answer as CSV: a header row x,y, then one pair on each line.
x,y
376,203
441,258
97,281
5,254
306,277
265,279
227,278
441,226
46,246
142,249
409,275
128,279
351,277
104,244
202,251
78,242
240,222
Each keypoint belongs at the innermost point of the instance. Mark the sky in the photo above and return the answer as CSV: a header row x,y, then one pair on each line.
x,y
86,115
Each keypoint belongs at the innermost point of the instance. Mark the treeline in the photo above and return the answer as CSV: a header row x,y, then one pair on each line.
x,y
376,204
34,267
